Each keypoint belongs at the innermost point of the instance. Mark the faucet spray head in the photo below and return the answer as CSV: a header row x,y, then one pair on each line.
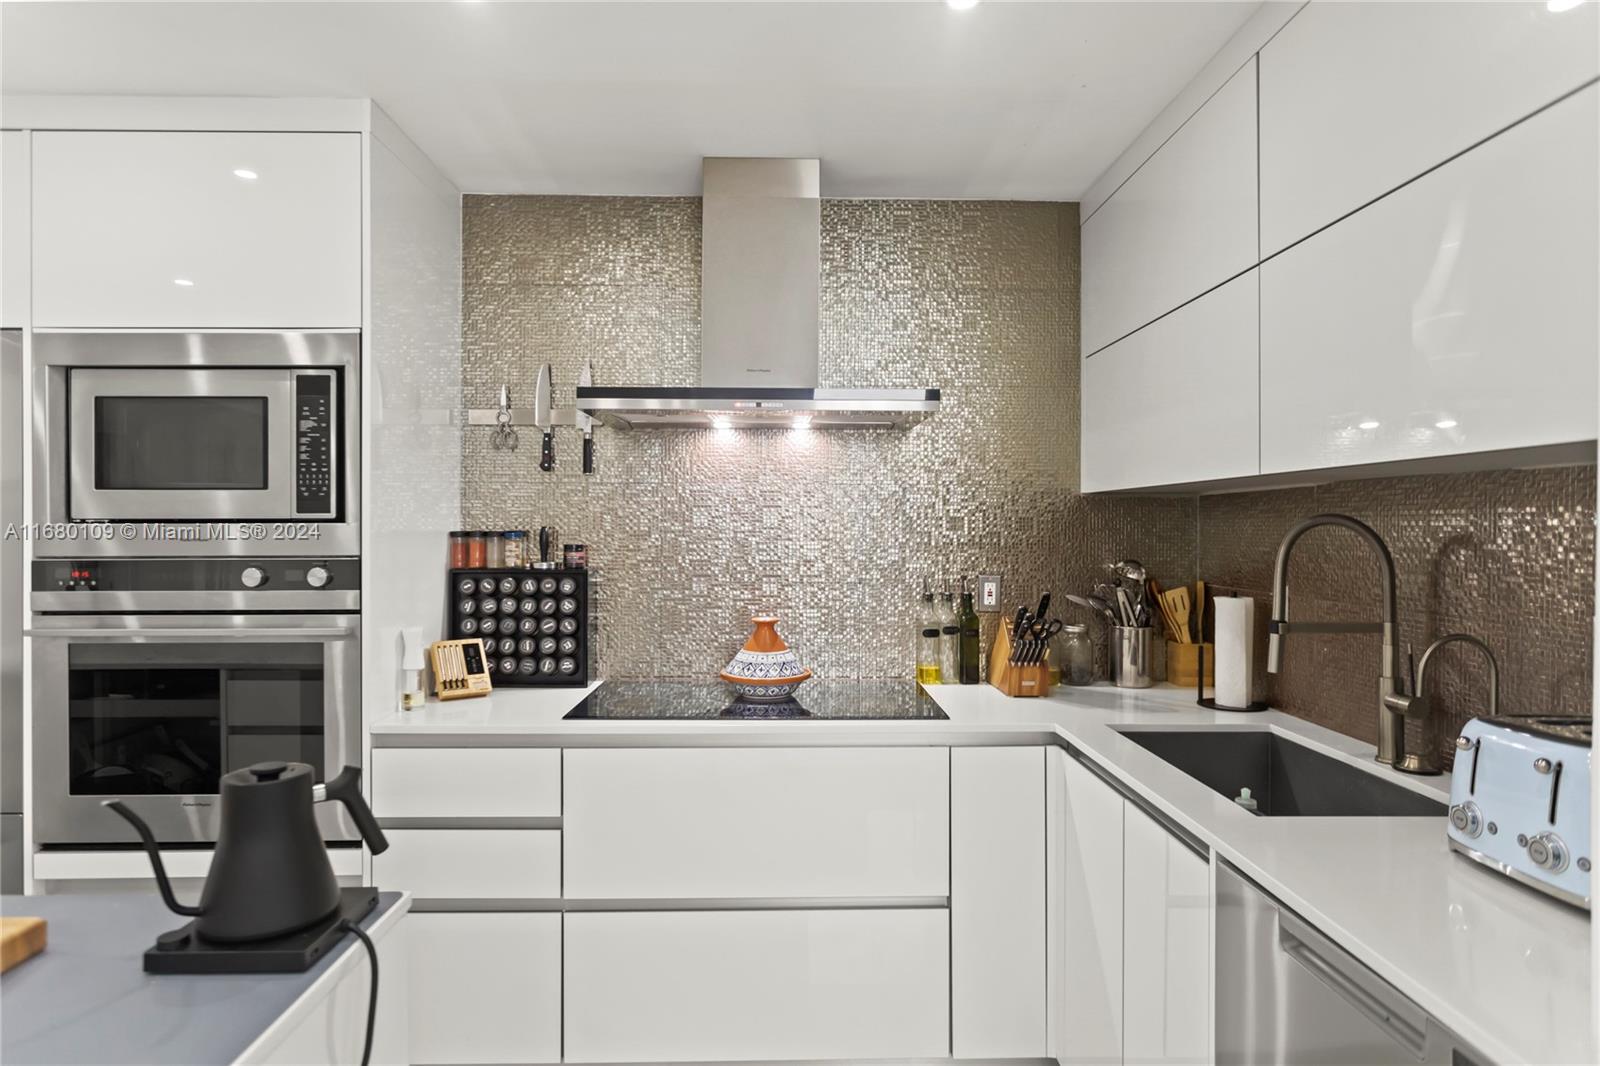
x,y
1274,648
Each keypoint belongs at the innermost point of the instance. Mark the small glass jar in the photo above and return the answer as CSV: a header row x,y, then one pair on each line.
x,y
477,551
575,556
494,550
1072,653
514,544
458,549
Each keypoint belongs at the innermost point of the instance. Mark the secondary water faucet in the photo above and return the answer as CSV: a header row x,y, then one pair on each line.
x,y
1419,705
1391,722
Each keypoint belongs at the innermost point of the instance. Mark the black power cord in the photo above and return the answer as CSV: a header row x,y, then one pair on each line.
x,y
372,999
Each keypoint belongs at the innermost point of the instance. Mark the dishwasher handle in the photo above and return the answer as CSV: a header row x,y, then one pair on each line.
x,y
1385,1007
143,633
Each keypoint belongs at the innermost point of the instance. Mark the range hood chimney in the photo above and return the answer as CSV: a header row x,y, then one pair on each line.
x,y
760,267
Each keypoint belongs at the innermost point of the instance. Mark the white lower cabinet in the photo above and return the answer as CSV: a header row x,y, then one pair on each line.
x,y
698,986
472,864
485,988
1130,929
1085,885
1166,949
997,902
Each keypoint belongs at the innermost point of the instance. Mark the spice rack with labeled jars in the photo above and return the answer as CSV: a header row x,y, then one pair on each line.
x,y
534,624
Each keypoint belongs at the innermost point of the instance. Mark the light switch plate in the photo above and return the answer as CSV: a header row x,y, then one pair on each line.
x,y
988,593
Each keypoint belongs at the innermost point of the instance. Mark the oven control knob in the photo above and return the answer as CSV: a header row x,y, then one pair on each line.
x,y
1548,852
318,577
253,577
1467,819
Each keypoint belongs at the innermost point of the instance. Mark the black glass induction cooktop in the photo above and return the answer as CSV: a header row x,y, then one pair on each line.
x,y
711,700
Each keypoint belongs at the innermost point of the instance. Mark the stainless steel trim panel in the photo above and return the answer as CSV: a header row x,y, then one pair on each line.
x,y
770,903
486,822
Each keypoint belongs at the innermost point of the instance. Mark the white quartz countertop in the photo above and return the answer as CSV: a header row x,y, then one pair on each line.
x,y
1505,968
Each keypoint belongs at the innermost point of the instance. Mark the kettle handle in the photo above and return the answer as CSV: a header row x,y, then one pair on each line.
x,y
346,788
154,852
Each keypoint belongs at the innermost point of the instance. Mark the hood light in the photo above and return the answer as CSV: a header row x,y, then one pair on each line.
x,y
1370,423
1445,423
183,283
245,175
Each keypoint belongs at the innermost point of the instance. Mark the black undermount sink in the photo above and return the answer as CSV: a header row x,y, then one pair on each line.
x,y
1284,778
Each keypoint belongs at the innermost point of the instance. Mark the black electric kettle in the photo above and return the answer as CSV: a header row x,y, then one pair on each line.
x,y
270,875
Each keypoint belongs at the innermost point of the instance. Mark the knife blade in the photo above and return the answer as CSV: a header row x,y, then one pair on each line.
x,y
1016,636
586,421
542,419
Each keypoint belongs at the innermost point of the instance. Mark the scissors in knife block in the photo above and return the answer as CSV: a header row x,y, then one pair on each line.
x,y
1039,634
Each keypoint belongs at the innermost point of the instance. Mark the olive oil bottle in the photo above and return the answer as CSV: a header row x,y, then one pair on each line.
x,y
929,628
969,637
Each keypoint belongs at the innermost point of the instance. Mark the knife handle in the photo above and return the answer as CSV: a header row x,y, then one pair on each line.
x,y
588,454
547,452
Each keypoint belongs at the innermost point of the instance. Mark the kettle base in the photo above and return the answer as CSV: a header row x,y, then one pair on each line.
x,y
182,951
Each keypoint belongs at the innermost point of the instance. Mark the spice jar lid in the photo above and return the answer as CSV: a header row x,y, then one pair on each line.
x,y
455,533
1075,628
572,547
514,534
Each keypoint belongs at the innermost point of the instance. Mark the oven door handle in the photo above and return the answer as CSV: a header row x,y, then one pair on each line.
x,y
309,633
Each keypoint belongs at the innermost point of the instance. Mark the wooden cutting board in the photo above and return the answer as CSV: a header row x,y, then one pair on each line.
x,y
20,939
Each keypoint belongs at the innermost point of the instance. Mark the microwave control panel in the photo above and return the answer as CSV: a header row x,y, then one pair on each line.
x,y
314,453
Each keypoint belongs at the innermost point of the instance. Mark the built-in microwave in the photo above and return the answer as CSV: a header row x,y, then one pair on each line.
x,y
239,443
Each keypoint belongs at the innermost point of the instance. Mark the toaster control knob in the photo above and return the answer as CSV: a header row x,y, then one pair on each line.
x,y
1467,819
1548,852
317,577
252,577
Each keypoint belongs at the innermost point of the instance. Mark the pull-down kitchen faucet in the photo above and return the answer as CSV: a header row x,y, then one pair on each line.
x,y
1391,721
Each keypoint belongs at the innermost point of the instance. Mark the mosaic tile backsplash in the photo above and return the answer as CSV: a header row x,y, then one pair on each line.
x,y
690,532
1507,556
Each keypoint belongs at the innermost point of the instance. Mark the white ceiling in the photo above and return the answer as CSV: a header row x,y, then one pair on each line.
x,y
1006,101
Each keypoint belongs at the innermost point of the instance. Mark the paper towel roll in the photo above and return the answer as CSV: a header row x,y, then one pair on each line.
x,y
1234,618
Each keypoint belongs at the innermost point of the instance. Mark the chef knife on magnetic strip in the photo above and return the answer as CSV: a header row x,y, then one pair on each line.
x,y
542,419
586,421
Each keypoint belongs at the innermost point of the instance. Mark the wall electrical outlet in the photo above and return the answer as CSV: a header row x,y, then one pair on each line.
x,y
988,598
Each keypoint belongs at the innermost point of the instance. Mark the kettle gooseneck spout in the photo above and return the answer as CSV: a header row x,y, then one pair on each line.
x,y
154,851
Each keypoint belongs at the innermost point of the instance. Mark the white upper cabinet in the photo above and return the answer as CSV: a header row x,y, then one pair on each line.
x,y
196,230
1454,315
13,229
1183,223
1358,98
1177,401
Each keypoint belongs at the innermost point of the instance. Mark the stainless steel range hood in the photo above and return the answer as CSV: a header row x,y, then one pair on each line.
x,y
760,264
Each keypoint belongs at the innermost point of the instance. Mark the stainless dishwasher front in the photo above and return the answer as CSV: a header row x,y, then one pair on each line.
x,y
1287,994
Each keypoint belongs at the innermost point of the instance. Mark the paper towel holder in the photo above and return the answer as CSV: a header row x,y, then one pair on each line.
x,y
1210,704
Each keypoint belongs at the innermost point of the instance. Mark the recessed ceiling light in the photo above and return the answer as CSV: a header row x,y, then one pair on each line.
x,y
244,174
185,282
968,5
1559,6
1368,424
1445,423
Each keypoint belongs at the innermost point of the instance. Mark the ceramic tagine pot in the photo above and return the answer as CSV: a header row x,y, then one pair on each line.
x,y
765,669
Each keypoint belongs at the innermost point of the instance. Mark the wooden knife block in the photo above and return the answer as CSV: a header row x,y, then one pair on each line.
x,y
1031,679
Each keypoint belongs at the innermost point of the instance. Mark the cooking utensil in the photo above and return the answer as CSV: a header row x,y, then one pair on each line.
x,y
1094,603
543,419
1177,603
586,422
1125,603
1044,608
1039,634
1017,625
504,438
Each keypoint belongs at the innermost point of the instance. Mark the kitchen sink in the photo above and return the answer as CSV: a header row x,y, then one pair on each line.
x,y
1283,777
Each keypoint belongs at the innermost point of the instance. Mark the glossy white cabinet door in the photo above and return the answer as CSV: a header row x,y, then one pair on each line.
x,y
1455,315
1166,946
466,782
729,823
997,902
485,988
14,214
1179,400
1085,885
475,864
1184,222
122,219
1357,98
702,986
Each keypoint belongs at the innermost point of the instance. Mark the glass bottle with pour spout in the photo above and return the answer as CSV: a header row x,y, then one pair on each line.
x,y
970,671
949,637
929,628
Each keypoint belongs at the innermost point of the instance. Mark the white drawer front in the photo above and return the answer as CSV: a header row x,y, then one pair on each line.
x,y
724,823
466,783
485,988
471,864
719,985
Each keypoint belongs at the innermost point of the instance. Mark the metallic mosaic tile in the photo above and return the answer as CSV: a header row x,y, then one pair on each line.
x,y
1506,555
690,532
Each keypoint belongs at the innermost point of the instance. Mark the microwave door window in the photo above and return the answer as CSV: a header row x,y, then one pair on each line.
x,y
180,443
175,722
